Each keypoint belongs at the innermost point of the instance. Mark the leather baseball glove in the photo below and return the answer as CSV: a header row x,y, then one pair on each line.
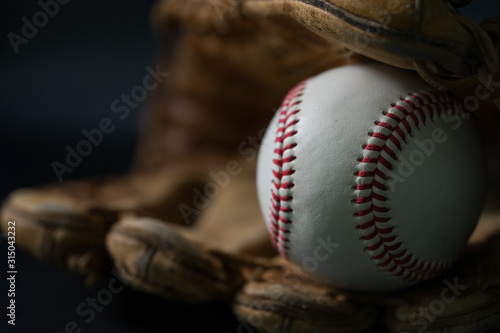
x,y
185,224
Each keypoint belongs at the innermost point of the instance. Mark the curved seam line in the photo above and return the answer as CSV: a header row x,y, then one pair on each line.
x,y
396,263
278,221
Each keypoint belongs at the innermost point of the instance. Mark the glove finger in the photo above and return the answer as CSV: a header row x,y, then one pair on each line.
x,y
65,224
286,299
57,230
465,299
155,258
448,50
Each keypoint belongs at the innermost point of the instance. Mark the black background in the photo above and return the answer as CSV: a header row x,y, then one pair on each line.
x,y
61,82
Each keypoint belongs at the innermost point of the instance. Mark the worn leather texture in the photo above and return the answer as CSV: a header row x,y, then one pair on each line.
x,y
429,208
230,64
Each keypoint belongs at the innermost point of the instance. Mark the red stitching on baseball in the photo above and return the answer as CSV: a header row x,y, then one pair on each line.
x,y
389,255
283,170
381,241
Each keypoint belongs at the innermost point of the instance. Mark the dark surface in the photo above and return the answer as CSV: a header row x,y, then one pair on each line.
x,y
62,82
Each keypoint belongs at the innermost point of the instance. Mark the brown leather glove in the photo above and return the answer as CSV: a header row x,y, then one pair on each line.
x,y
185,223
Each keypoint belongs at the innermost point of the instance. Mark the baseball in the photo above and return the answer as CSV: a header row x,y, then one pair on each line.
x,y
370,179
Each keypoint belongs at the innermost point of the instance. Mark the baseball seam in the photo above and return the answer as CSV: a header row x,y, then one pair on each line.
x,y
379,155
282,183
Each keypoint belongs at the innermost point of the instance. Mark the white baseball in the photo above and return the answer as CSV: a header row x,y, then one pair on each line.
x,y
370,179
